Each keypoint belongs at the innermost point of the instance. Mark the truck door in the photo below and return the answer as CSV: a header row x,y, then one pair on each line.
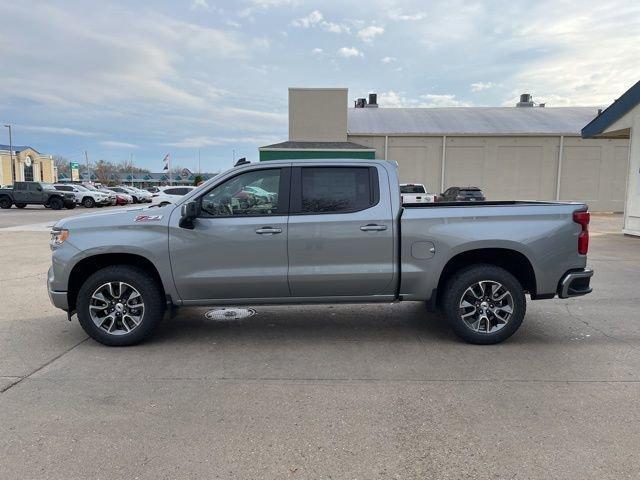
x,y
341,232
21,193
238,245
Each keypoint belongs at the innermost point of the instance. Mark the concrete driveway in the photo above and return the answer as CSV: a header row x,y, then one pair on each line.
x,y
327,392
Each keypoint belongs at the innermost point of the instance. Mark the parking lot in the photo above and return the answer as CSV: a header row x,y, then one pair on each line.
x,y
327,392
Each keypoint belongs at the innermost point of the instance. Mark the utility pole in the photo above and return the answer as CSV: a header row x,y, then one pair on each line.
x,y
131,167
13,170
199,171
86,159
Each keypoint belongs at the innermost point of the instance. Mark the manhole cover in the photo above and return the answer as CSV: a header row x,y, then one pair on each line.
x,y
230,313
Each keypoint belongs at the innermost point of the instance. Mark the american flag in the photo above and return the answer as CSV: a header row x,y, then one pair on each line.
x,y
166,162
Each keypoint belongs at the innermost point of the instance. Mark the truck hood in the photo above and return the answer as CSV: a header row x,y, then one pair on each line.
x,y
127,217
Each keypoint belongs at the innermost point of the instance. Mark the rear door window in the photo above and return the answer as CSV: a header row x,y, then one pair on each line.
x,y
336,189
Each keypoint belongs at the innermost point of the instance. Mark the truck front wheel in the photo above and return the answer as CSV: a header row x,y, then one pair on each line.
x,y
5,202
56,203
120,305
484,304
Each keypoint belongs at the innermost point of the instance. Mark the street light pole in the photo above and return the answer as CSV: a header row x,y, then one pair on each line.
x,y
13,171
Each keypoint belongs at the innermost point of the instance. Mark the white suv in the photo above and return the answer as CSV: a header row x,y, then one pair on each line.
x,y
84,196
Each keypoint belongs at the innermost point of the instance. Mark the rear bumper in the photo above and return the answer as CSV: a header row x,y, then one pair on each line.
x,y
575,283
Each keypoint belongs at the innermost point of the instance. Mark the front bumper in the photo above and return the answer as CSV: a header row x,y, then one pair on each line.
x,y
58,299
575,283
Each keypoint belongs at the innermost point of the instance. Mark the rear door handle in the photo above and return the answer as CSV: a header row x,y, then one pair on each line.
x,y
268,231
373,228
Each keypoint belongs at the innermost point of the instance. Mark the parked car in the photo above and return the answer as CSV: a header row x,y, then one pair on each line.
x,y
36,193
121,198
336,233
83,196
152,189
143,195
138,196
415,193
462,194
95,197
170,194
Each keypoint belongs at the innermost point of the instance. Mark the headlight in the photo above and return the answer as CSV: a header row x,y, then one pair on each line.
x,y
58,237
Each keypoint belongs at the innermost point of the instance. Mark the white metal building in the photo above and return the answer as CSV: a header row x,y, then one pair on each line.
x,y
521,152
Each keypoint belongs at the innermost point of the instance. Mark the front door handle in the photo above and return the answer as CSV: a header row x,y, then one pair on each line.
x,y
373,228
268,231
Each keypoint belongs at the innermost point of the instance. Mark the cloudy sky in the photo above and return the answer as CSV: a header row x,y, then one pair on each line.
x,y
173,76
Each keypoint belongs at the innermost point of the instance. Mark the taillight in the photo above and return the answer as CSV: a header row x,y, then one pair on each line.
x,y
582,218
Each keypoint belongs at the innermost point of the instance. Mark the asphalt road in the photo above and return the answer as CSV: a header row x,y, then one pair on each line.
x,y
330,392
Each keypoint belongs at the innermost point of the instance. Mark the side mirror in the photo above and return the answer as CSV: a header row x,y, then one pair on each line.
x,y
189,212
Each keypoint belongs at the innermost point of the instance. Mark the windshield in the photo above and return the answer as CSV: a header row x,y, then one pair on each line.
x,y
412,189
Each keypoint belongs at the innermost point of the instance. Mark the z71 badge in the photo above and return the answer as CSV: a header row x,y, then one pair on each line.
x,y
147,218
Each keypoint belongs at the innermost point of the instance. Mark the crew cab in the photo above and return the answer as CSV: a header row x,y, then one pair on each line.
x,y
36,193
317,231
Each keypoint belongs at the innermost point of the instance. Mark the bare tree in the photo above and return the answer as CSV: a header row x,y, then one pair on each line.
x,y
62,164
105,171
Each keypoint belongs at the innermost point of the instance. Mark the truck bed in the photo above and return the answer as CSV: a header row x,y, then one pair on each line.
x,y
486,203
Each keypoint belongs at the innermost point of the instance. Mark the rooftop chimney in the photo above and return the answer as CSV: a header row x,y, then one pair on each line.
x,y
373,100
526,100
360,103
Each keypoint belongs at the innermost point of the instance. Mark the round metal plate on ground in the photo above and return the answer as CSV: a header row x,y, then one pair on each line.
x,y
230,313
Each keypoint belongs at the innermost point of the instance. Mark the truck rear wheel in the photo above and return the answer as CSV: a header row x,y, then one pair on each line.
x,y
484,304
56,203
5,202
120,305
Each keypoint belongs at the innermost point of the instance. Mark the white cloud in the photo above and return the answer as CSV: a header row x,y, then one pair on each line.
x,y
316,19
367,34
114,144
199,5
446,100
310,20
348,52
317,51
388,59
480,86
399,99
211,141
404,17
56,130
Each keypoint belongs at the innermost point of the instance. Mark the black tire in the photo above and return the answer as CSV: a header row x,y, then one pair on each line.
x,y
21,205
5,202
139,279
70,205
453,296
135,200
88,202
56,203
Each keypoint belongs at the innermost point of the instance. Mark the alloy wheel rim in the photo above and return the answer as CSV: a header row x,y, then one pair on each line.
x,y
486,306
116,308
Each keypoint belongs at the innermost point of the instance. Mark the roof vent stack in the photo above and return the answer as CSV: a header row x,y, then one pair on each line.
x,y
373,100
360,103
526,100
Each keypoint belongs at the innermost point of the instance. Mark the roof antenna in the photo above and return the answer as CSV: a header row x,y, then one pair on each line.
x,y
241,161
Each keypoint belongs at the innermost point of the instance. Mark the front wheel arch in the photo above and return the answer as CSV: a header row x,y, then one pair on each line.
x,y
87,266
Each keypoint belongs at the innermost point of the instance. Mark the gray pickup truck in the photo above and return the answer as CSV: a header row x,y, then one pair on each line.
x,y
321,231
35,193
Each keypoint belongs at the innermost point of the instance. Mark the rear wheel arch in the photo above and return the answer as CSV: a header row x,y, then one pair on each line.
x,y
88,266
511,260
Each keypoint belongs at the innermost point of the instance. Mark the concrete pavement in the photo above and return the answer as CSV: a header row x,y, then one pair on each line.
x,y
354,391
